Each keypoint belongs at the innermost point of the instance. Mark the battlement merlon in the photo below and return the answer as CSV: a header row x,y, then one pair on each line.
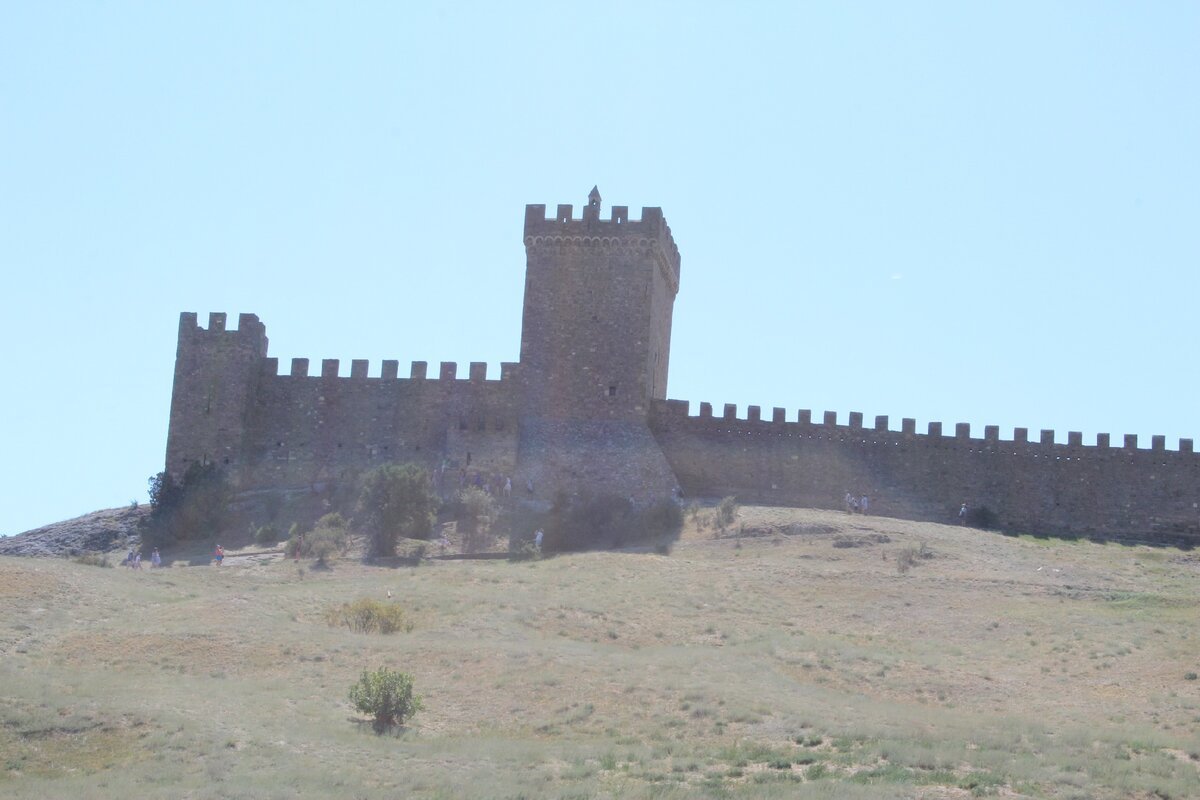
x,y
618,229
250,332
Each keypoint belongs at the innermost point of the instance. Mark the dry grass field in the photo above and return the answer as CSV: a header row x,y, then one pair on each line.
x,y
815,655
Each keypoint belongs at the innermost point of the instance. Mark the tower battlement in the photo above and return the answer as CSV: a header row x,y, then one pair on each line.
x,y
590,231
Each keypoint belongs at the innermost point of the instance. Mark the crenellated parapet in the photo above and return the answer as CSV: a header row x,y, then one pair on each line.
x,y
675,413
1029,482
250,332
389,371
650,233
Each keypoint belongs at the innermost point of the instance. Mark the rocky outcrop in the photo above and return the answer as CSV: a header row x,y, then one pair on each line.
x,y
112,529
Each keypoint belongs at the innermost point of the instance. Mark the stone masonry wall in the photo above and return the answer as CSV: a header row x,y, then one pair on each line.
x,y
299,430
216,377
583,412
1036,487
308,429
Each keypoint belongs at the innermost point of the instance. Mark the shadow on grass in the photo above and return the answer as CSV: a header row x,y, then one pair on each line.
x,y
365,726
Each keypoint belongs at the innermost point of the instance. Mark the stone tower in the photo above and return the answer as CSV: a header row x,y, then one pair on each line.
x,y
216,380
595,344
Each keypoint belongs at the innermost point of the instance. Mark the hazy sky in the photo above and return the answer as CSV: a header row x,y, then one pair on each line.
x,y
957,212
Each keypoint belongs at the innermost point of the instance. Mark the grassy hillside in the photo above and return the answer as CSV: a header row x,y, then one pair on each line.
x,y
819,655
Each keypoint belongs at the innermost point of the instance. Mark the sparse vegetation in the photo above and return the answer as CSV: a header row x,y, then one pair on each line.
x,y
93,560
726,513
368,615
387,696
662,519
911,556
606,521
266,535
790,667
476,512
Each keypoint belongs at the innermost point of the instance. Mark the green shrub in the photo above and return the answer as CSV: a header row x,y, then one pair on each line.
x,y
328,539
396,500
981,517
580,523
93,560
662,519
727,511
387,696
523,550
291,547
193,508
267,535
588,522
476,513
367,615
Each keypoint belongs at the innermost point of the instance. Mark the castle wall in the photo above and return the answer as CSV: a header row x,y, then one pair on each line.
x,y
306,429
584,412
1032,486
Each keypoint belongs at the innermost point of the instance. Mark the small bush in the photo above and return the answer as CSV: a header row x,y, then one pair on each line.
x,y
910,557
327,540
267,534
981,517
93,560
387,696
476,513
1191,676
727,511
367,615
661,519
588,522
525,550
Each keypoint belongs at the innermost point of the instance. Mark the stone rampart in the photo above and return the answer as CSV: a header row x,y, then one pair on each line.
x,y
584,412
1036,486
304,429
300,429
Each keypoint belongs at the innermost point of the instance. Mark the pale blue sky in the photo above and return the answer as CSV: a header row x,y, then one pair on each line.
x,y
958,212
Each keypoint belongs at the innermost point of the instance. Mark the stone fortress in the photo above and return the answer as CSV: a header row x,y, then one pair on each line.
x,y
584,410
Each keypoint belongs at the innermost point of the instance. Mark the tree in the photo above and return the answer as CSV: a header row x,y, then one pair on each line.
x,y
396,500
387,696
189,509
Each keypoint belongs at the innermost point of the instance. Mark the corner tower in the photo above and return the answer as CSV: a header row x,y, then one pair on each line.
x,y
216,376
595,346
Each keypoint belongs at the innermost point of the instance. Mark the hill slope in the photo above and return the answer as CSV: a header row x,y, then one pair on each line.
x,y
800,660
104,531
